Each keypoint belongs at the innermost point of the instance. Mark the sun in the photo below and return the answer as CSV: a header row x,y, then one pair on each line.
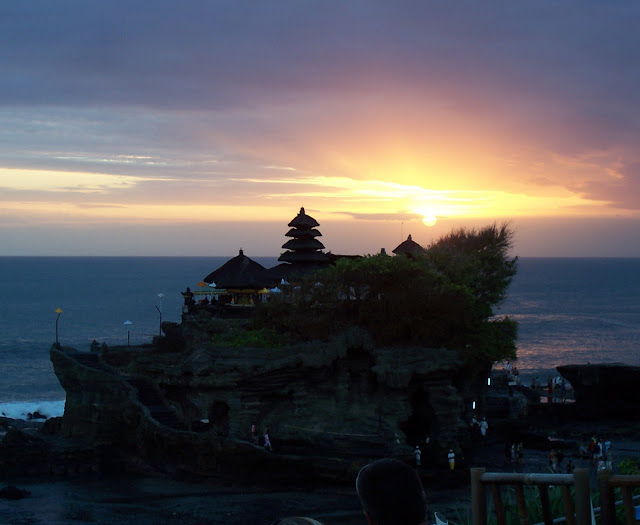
x,y
428,219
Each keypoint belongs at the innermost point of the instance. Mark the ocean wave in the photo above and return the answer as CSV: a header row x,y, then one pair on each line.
x,y
22,409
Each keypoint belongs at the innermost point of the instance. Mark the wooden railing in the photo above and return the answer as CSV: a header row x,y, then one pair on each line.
x,y
577,508
608,482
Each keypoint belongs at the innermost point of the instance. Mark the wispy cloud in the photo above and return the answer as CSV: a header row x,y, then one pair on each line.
x,y
20,179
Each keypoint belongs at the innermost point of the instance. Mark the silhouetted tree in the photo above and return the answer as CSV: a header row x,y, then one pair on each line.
x,y
445,298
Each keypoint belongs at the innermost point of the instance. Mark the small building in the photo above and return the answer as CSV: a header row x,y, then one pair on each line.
x,y
243,280
409,248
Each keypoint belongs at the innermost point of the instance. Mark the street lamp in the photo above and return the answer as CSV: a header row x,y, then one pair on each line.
x,y
160,295
58,311
127,323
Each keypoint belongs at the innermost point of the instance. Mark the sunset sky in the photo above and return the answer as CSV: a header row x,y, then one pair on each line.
x,y
197,128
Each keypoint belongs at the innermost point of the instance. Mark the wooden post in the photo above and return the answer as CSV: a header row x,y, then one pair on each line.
x,y
498,506
626,484
522,505
569,507
545,502
478,498
629,508
583,496
607,500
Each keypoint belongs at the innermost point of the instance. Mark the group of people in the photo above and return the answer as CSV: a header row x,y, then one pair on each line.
x,y
557,389
513,452
451,457
598,452
479,426
513,374
390,492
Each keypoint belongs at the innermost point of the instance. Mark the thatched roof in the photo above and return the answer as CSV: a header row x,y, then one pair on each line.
x,y
303,221
409,247
240,272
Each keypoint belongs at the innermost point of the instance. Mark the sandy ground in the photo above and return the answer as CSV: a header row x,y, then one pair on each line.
x,y
161,501
154,501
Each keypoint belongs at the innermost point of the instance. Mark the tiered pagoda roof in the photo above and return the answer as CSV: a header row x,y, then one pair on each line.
x,y
303,247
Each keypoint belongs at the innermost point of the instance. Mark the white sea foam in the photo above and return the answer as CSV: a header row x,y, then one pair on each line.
x,y
22,409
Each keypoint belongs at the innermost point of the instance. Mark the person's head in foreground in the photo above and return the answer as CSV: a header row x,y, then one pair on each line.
x,y
391,493
296,520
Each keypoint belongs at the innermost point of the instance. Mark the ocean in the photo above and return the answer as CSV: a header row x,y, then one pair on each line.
x,y
569,311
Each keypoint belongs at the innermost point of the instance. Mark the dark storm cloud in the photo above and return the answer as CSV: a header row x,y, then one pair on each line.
x,y
173,54
211,54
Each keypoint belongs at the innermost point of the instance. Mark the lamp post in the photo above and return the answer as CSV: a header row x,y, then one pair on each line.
x,y
128,323
58,311
160,295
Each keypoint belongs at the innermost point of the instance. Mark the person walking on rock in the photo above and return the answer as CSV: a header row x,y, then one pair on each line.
x,y
452,459
483,427
267,440
418,453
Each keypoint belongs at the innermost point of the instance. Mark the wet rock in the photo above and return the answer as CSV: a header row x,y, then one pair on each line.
x,y
13,492
604,390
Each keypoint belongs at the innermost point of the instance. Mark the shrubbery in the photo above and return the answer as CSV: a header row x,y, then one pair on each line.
x,y
444,298
240,334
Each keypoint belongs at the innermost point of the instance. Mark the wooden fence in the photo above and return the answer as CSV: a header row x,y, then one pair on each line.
x,y
578,509
608,482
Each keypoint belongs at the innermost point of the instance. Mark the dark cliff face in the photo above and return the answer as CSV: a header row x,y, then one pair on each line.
x,y
605,389
342,399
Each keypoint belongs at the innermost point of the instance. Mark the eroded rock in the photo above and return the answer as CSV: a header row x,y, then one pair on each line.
x,y
332,404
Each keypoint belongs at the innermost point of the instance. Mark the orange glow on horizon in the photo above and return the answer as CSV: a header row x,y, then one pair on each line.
x,y
64,198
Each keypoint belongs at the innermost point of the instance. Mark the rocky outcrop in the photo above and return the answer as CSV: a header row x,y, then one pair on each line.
x,y
13,492
334,403
604,390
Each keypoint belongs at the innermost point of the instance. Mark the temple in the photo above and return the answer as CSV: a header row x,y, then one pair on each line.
x,y
303,247
304,251
409,248
237,286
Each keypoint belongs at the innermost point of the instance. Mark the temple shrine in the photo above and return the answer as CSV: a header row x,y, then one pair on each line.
x,y
241,283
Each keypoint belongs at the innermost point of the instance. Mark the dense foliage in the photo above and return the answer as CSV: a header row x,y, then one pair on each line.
x,y
443,298
240,334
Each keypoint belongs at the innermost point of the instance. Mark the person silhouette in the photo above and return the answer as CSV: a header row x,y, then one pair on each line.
x,y
391,493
